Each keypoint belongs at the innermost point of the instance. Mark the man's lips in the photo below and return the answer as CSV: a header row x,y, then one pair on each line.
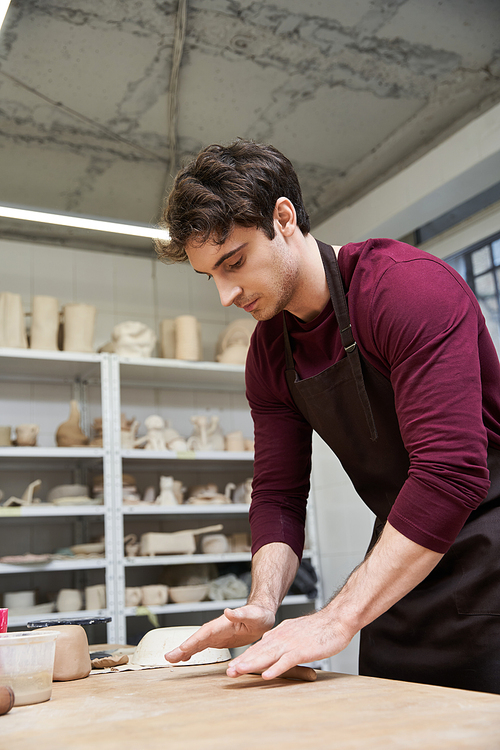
x,y
250,306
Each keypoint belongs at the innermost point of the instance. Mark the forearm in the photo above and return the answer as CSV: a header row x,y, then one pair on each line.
x,y
274,567
394,567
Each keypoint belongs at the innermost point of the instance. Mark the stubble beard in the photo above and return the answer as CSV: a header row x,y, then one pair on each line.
x,y
285,276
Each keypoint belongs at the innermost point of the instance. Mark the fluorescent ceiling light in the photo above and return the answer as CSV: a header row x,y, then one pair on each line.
x,y
4,7
81,222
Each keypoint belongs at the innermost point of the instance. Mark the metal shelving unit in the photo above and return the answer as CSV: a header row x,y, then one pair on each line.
x,y
80,371
112,373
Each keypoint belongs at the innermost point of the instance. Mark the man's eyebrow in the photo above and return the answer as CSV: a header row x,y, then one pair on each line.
x,y
227,255
224,257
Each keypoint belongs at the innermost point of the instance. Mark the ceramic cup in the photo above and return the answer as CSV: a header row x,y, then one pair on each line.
x,y
69,600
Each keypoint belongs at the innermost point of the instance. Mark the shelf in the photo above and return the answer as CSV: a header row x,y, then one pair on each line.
x,y
47,511
186,510
211,606
37,365
41,452
226,557
136,562
204,456
180,374
54,565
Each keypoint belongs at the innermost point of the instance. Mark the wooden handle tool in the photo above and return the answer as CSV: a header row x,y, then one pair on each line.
x,y
307,674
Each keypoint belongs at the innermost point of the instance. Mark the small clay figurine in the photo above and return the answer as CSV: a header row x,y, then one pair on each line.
x,y
27,498
69,433
167,494
154,440
207,434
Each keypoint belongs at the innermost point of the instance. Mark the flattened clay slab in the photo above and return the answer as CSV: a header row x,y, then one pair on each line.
x,y
156,643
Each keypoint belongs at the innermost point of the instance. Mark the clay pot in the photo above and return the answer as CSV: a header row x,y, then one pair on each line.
x,y
26,434
69,600
187,338
79,322
12,325
44,323
154,595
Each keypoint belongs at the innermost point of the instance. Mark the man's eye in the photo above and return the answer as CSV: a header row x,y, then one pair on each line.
x,y
235,265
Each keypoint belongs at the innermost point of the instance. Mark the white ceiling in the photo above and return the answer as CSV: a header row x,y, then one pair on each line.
x,y
349,90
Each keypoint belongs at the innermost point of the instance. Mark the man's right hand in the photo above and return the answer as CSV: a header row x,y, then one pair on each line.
x,y
236,627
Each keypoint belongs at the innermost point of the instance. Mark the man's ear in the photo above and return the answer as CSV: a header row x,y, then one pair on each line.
x,y
285,216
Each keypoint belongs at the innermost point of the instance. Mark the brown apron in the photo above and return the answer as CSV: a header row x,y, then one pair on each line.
x,y
447,630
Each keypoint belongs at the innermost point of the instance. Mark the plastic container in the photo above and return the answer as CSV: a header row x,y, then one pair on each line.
x,y
27,665
4,618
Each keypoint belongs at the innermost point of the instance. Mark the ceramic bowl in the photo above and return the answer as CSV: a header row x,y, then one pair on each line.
x,y
192,593
156,643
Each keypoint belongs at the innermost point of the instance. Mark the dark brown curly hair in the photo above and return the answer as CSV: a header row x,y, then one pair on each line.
x,y
225,186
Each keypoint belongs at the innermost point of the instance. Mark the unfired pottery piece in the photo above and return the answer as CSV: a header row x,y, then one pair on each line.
x,y
167,339
69,600
234,341
44,323
214,544
133,596
207,434
194,593
174,543
72,658
95,596
187,338
79,322
234,441
156,643
12,325
5,435
154,595
69,433
167,494
28,495
26,434
133,339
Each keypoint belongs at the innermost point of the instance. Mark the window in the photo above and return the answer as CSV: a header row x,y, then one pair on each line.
x,y
479,265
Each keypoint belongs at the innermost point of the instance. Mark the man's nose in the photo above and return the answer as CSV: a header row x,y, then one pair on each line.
x,y
228,293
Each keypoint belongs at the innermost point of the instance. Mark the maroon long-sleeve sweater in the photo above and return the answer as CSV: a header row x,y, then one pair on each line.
x,y
418,322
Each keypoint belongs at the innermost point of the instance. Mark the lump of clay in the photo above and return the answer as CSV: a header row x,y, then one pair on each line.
x,y
133,339
72,658
69,433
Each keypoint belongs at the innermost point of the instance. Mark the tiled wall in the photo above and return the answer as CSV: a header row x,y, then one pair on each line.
x,y
122,287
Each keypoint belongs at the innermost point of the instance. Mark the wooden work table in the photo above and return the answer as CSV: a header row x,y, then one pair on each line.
x,y
200,708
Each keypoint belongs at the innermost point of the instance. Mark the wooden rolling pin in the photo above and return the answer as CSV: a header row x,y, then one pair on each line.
x,y
307,674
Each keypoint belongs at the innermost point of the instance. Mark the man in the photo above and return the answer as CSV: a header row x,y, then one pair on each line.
x,y
383,350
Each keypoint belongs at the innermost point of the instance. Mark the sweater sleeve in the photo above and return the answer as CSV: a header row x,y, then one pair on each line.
x,y
282,462
425,325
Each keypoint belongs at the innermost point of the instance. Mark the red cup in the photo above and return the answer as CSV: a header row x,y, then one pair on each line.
x,y
4,616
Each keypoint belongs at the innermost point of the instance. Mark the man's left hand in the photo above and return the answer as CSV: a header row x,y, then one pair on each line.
x,y
297,641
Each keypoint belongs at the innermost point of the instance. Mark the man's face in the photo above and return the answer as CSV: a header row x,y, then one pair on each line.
x,y
250,271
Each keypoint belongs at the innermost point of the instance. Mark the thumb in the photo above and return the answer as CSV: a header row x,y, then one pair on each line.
x,y
233,615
